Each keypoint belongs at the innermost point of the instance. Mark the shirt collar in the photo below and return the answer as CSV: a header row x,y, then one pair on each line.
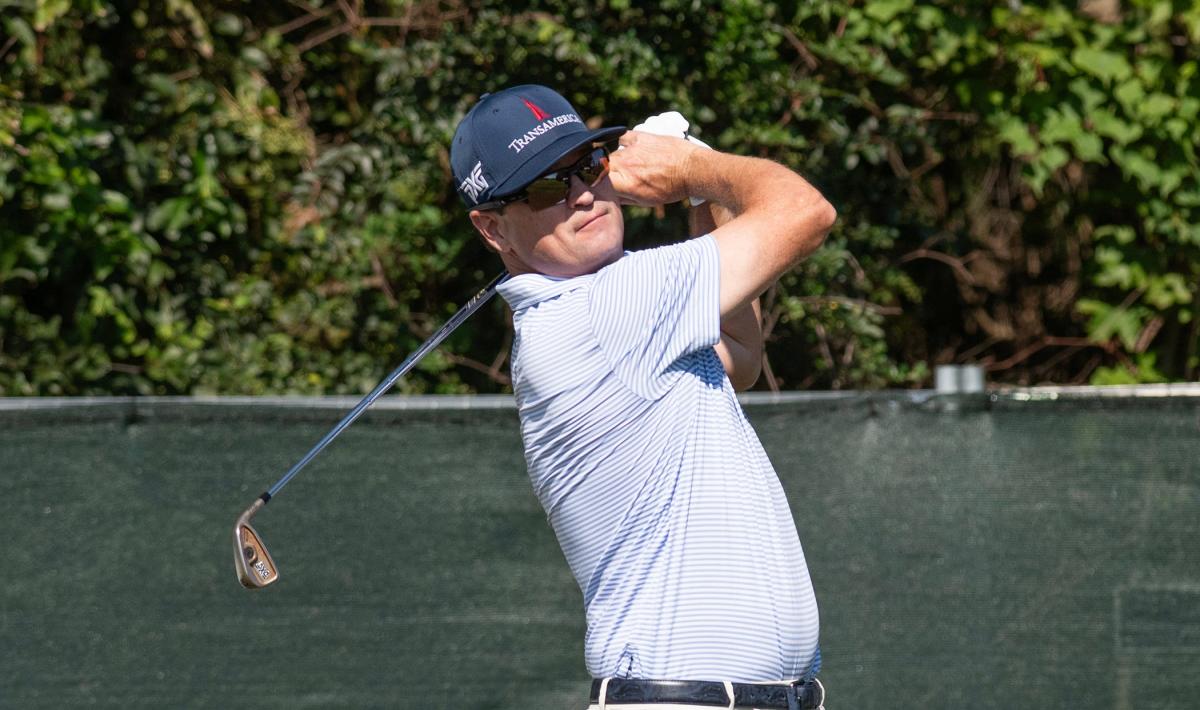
x,y
525,290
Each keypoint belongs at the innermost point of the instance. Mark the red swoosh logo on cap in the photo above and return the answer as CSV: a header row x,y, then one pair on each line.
x,y
537,112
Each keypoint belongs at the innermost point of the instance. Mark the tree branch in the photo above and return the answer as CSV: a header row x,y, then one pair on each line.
x,y
952,262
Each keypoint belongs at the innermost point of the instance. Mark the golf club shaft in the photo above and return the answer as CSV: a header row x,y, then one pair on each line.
x,y
463,313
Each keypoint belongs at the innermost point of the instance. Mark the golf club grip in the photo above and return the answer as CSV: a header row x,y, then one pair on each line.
x,y
436,339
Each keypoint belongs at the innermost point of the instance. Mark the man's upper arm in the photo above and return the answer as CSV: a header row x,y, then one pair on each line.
x,y
757,247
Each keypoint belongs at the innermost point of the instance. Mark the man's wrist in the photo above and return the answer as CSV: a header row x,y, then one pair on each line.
x,y
698,175
692,199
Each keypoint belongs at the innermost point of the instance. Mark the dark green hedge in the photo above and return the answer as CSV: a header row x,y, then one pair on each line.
x,y
238,197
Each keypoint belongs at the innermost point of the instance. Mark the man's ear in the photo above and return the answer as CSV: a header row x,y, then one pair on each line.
x,y
491,228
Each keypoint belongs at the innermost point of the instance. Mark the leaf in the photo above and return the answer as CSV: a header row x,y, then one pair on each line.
x,y
1052,158
1064,125
47,11
1107,124
1156,106
115,201
1089,95
1160,14
170,216
1130,94
886,10
1115,270
1147,171
1013,131
196,23
1143,371
1108,321
1167,290
21,30
1122,233
1105,65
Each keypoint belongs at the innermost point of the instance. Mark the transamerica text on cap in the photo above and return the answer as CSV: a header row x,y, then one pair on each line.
x,y
519,143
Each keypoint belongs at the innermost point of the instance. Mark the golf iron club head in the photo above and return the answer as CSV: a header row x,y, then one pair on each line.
x,y
255,568
254,565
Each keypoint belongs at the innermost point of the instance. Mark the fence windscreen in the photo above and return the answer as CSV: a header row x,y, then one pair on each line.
x,y
996,552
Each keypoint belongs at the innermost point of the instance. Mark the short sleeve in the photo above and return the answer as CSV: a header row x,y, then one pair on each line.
x,y
652,308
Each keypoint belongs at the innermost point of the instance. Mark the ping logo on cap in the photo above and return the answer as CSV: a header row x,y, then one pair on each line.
x,y
538,113
475,182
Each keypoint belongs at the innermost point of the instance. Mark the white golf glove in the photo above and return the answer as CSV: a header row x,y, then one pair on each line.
x,y
672,123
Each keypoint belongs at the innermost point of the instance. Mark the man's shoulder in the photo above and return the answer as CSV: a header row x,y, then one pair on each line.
x,y
688,249
655,270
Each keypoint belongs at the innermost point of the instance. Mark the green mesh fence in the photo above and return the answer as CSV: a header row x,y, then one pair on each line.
x,y
970,553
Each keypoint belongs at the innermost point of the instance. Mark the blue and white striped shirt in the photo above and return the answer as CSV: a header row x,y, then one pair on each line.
x,y
664,502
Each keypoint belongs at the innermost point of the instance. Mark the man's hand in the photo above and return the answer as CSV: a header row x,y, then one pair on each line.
x,y
651,170
672,123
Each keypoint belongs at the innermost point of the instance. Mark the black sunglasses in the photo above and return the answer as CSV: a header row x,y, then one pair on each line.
x,y
552,188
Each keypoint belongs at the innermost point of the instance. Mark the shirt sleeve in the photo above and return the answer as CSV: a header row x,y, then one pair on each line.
x,y
653,307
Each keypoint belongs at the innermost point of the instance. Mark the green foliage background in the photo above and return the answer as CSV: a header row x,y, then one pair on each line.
x,y
237,197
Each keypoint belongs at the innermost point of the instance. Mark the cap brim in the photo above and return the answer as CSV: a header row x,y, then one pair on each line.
x,y
551,154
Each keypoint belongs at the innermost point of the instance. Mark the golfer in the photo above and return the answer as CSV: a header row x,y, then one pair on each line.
x,y
624,366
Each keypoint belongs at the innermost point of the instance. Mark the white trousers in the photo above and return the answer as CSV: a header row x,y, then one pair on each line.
x,y
663,706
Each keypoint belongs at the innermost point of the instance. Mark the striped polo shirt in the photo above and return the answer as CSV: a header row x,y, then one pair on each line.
x,y
662,498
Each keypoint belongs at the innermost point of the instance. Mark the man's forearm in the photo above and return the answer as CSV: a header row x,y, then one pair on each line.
x,y
779,218
741,344
742,184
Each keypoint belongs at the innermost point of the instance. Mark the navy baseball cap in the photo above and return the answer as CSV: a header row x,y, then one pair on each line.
x,y
511,137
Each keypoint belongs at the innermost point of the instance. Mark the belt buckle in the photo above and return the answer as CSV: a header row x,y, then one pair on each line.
x,y
798,700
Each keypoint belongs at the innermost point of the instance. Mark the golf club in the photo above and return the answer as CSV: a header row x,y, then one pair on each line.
x,y
255,567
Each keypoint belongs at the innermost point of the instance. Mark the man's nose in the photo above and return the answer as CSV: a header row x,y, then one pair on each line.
x,y
581,193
